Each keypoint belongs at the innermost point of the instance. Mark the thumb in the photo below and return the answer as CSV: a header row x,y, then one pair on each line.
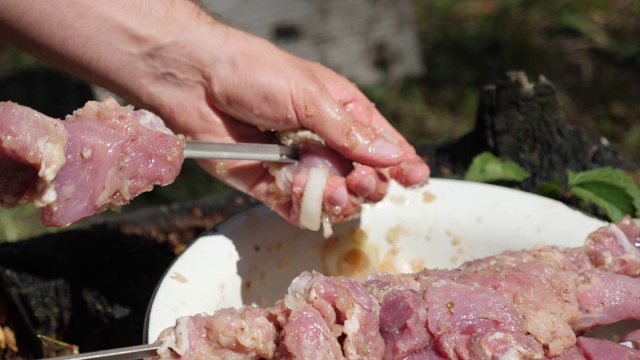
x,y
345,134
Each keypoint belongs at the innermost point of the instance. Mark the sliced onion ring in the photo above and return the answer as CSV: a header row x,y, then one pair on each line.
x,y
311,204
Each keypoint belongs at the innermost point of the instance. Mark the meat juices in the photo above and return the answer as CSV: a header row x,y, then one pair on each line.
x,y
103,155
534,304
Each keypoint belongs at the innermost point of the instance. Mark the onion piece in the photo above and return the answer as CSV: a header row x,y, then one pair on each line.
x,y
311,204
327,229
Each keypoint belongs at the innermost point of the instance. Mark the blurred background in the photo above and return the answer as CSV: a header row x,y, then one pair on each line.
x,y
423,62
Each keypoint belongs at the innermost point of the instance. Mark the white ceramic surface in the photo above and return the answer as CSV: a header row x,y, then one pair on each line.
x,y
252,257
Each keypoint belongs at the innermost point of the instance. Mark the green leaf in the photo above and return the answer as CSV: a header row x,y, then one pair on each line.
x,y
608,175
612,201
486,167
551,189
611,189
584,26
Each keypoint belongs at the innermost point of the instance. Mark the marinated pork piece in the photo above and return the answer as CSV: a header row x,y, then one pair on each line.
x,y
103,155
306,179
240,334
517,305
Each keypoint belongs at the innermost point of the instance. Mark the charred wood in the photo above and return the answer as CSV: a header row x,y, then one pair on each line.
x,y
524,122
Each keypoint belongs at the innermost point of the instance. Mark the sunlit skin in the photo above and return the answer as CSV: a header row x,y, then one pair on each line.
x,y
213,82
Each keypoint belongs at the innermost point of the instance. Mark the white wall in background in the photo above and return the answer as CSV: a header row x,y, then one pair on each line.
x,y
349,36
353,37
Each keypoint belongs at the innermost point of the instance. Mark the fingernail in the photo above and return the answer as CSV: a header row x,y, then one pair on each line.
x,y
367,185
416,175
386,150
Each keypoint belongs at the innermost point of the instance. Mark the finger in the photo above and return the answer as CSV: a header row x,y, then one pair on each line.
x,y
413,170
368,183
338,202
375,141
344,133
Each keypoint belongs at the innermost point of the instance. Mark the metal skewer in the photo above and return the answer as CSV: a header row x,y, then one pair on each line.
x,y
125,353
240,151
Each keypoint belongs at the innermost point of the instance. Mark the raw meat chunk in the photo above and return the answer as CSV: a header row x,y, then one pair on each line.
x,y
102,155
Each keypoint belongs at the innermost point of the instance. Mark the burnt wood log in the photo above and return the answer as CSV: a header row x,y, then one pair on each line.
x,y
523,122
86,288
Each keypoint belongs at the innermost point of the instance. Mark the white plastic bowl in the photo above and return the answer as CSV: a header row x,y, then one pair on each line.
x,y
252,257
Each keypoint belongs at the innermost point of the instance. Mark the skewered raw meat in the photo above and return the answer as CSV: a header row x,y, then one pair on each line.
x,y
534,304
319,166
103,155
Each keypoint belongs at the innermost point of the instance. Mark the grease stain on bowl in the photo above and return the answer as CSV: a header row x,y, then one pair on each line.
x,y
284,263
394,233
428,197
221,287
398,199
179,278
418,264
455,240
351,254
252,220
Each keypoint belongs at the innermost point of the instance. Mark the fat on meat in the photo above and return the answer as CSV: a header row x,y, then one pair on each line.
x,y
529,304
102,155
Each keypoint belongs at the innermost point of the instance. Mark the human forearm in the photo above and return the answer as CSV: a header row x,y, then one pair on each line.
x,y
111,43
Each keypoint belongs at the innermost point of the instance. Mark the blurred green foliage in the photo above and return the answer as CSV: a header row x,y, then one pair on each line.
x,y
20,222
486,167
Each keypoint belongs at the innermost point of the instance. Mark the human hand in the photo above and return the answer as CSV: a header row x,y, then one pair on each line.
x,y
252,91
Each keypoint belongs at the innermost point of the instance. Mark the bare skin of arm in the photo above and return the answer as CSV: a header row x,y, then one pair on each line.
x,y
210,81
